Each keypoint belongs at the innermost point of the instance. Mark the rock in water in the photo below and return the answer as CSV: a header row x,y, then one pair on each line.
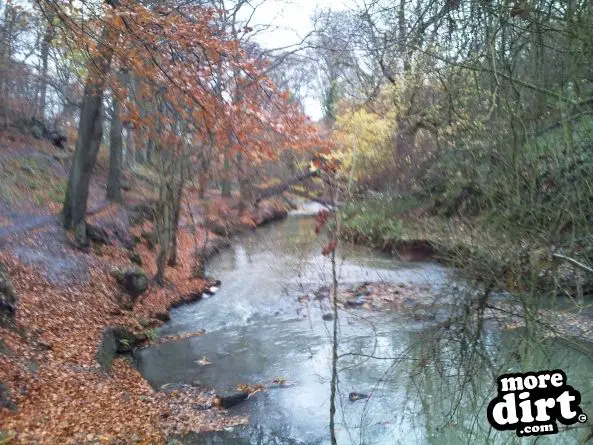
x,y
116,340
363,290
217,227
162,316
356,302
354,396
322,292
410,302
421,314
168,388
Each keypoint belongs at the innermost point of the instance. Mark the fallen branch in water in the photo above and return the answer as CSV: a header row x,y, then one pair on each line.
x,y
244,392
281,188
324,202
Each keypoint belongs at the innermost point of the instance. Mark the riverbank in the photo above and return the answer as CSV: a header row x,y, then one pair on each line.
x,y
53,388
512,262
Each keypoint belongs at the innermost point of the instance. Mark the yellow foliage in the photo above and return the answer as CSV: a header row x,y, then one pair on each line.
x,y
362,140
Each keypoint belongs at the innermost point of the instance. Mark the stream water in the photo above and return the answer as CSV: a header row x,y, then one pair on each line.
x,y
257,331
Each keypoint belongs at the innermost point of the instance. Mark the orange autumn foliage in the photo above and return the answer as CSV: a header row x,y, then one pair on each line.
x,y
190,69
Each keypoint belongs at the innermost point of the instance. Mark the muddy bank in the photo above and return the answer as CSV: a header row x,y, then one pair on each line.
x,y
401,249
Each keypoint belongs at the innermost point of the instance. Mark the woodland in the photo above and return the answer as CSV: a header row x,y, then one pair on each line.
x,y
137,137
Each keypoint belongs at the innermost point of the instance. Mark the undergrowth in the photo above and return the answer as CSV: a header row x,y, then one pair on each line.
x,y
500,222
376,222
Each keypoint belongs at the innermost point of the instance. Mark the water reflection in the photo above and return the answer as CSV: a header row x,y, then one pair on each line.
x,y
427,385
454,395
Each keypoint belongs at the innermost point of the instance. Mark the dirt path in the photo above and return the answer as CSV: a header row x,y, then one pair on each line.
x,y
24,223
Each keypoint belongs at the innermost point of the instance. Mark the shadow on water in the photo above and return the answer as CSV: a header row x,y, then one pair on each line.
x,y
427,386
253,435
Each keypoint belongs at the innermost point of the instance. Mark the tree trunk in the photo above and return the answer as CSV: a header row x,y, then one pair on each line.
x,y
90,130
245,183
225,190
202,183
165,212
153,148
161,262
402,36
130,158
115,155
150,150
405,145
163,231
204,172
135,85
334,379
5,58
141,156
175,223
47,38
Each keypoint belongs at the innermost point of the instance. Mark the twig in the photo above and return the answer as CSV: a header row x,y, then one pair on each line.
x,y
573,262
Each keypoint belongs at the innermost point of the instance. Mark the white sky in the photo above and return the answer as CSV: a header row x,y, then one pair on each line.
x,y
290,18
290,22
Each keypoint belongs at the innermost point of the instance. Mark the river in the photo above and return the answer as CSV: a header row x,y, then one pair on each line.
x,y
257,331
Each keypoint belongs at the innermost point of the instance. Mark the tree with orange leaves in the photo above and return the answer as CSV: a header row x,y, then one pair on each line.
x,y
191,67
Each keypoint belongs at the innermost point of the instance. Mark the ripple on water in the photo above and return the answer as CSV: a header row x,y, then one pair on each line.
x,y
254,335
